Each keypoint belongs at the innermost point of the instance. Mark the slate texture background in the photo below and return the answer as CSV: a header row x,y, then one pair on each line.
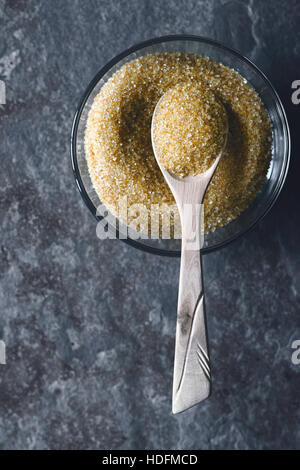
x,y
89,325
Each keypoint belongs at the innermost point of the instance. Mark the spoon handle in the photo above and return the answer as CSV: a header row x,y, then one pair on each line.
x,y
191,383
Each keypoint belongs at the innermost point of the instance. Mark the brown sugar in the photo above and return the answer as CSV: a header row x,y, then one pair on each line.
x,y
118,136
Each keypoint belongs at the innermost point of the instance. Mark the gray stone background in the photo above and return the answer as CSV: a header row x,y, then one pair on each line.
x,y
89,325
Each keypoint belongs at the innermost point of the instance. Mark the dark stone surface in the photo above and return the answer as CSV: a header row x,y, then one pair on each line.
x,y
89,325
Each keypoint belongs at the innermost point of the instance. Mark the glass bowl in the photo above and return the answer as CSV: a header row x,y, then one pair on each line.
x,y
280,152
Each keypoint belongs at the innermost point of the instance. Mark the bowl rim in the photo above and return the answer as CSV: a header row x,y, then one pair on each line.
x,y
141,45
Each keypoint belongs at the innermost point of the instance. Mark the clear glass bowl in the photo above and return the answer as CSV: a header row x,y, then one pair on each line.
x,y
281,138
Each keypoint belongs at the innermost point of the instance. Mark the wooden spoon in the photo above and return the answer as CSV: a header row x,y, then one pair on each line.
x,y
191,381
